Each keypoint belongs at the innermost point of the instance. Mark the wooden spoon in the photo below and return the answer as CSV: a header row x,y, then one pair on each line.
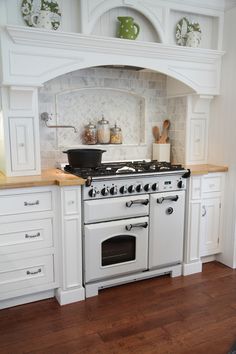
x,y
156,133
164,135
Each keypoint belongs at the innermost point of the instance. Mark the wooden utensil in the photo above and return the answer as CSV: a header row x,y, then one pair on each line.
x,y
164,135
156,133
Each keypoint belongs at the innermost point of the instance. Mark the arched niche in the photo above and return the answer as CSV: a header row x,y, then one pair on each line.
x,y
107,24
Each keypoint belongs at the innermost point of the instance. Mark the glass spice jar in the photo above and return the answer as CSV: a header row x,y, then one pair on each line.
x,y
90,134
116,135
103,131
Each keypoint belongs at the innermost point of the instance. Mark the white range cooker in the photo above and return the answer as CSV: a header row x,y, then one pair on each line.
x,y
133,216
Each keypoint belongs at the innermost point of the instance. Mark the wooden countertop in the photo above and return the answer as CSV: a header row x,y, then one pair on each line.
x,y
205,169
47,178
60,178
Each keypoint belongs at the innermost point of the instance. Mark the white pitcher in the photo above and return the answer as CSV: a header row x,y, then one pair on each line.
x,y
43,19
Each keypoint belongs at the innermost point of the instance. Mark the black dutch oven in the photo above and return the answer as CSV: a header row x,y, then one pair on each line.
x,y
84,157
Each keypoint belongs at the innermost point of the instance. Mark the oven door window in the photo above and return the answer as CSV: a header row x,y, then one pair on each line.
x,y
118,249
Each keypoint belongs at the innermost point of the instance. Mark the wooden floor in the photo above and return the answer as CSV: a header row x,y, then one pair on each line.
x,y
193,314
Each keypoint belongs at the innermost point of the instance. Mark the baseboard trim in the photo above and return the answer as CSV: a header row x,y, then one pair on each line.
x,y
65,297
192,268
20,300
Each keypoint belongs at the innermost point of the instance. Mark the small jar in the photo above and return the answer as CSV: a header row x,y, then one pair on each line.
x,y
116,135
103,131
90,134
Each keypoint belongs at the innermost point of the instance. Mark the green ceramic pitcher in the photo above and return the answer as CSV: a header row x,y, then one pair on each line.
x,y
128,29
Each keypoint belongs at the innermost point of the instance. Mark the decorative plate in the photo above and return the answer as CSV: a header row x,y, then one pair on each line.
x,y
30,7
181,31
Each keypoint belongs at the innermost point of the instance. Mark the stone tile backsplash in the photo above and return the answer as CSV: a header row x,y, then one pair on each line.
x,y
135,100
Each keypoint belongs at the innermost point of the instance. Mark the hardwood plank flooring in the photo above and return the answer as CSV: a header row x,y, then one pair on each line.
x,y
163,315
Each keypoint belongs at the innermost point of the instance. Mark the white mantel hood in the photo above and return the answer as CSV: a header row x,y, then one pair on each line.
x,y
32,56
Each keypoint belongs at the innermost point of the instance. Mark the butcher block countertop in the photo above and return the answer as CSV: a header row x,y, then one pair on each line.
x,y
47,178
60,178
205,169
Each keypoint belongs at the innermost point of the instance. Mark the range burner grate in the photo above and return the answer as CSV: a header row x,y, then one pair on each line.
x,y
126,167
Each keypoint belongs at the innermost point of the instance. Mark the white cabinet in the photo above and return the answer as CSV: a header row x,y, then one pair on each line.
x,y
28,245
210,226
203,229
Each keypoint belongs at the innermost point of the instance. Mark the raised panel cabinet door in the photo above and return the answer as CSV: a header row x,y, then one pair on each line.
x,y
197,140
210,227
22,144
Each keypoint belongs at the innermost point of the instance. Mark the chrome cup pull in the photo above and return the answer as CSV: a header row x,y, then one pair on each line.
x,y
171,198
139,224
35,272
137,201
31,203
32,236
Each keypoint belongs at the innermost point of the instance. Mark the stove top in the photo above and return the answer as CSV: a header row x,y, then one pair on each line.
x,y
125,168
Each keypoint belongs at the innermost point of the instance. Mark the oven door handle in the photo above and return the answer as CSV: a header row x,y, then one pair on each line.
x,y
139,224
137,201
172,198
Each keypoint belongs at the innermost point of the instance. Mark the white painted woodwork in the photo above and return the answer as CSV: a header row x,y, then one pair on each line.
x,y
197,121
71,285
22,236
20,131
95,234
28,244
166,230
22,273
204,221
210,226
103,210
22,144
198,139
25,202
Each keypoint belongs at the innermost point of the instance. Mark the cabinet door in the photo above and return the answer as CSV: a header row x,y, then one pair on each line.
x,y
210,227
22,144
197,140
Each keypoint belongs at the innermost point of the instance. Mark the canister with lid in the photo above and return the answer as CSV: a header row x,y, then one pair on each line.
x,y
90,134
103,131
116,135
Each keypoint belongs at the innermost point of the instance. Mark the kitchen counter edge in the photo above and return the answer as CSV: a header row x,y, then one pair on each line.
x,y
47,178
205,169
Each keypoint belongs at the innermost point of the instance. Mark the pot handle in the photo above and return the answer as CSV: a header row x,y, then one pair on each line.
x,y
64,152
102,151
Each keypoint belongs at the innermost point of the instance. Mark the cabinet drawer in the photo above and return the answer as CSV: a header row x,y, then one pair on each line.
x,y
25,203
24,236
23,273
211,184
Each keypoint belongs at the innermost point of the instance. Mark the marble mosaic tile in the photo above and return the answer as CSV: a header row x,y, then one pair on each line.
x,y
140,105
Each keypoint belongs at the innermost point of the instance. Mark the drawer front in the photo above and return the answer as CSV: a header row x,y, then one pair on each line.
x,y
122,207
25,236
23,273
211,184
25,203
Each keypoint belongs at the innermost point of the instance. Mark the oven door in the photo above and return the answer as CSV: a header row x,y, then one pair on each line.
x,y
115,248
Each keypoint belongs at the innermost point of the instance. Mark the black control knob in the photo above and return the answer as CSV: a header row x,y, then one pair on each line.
x,y
105,191
180,184
92,193
139,188
147,187
114,190
123,190
131,189
155,186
